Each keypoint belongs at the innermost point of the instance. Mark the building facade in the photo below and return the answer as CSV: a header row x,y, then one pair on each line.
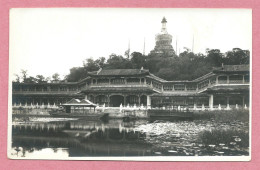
x,y
226,86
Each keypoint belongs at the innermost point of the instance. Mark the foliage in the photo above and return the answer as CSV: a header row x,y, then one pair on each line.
x,y
17,78
56,77
40,78
76,73
186,66
223,116
237,56
30,79
137,60
24,75
118,62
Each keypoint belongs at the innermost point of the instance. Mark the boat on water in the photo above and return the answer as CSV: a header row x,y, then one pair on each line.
x,y
170,113
79,109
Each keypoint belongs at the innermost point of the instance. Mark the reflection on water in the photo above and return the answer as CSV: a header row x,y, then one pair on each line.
x,y
50,138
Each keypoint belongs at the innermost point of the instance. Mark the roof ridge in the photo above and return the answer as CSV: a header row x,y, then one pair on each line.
x,y
99,71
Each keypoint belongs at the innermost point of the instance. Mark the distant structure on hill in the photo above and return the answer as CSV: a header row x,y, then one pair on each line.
x,y
163,46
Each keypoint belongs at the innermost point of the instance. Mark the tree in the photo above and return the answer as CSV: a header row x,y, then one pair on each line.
x,y
56,77
237,56
40,79
127,53
188,66
91,65
100,62
17,78
30,79
214,57
137,60
118,62
24,75
47,79
76,73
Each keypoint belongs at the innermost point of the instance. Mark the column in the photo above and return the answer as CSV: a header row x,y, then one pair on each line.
x,y
94,99
124,100
211,101
144,80
108,100
86,97
217,80
109,81
227,79
162,88
140,80
228,107
243,101
139,100
227,100
148,102
243,79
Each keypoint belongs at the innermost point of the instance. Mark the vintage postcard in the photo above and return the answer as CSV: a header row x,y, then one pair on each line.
x,y
130,84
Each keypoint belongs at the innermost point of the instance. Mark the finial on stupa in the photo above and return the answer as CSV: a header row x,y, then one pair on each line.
x,y
164,29
164,20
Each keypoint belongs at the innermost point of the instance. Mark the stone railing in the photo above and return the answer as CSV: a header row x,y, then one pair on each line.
x,y
31,106
44,92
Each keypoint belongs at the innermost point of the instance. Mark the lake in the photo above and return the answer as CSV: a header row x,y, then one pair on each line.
x,y
58,138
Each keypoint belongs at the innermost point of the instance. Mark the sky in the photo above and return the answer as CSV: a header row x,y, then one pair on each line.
x,y
45,41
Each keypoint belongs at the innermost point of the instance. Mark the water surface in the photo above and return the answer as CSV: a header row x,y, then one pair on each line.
x,y
58,138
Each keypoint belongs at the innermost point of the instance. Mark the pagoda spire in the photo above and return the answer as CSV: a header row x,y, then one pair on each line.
x,y
164,29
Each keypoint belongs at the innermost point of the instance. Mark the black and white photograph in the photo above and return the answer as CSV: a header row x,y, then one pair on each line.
x,y
140,84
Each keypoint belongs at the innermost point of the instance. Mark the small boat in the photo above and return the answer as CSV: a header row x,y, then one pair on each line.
x,y
172,113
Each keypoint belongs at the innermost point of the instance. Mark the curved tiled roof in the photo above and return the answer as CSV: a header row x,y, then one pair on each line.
x,y
118,89
229,88
119,72
156,78
179,94
77,102
232,68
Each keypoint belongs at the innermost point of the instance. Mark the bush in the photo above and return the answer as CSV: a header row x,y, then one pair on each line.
x,y
223,116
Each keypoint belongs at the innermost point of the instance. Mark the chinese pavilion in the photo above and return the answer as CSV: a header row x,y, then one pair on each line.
x,y
227,86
